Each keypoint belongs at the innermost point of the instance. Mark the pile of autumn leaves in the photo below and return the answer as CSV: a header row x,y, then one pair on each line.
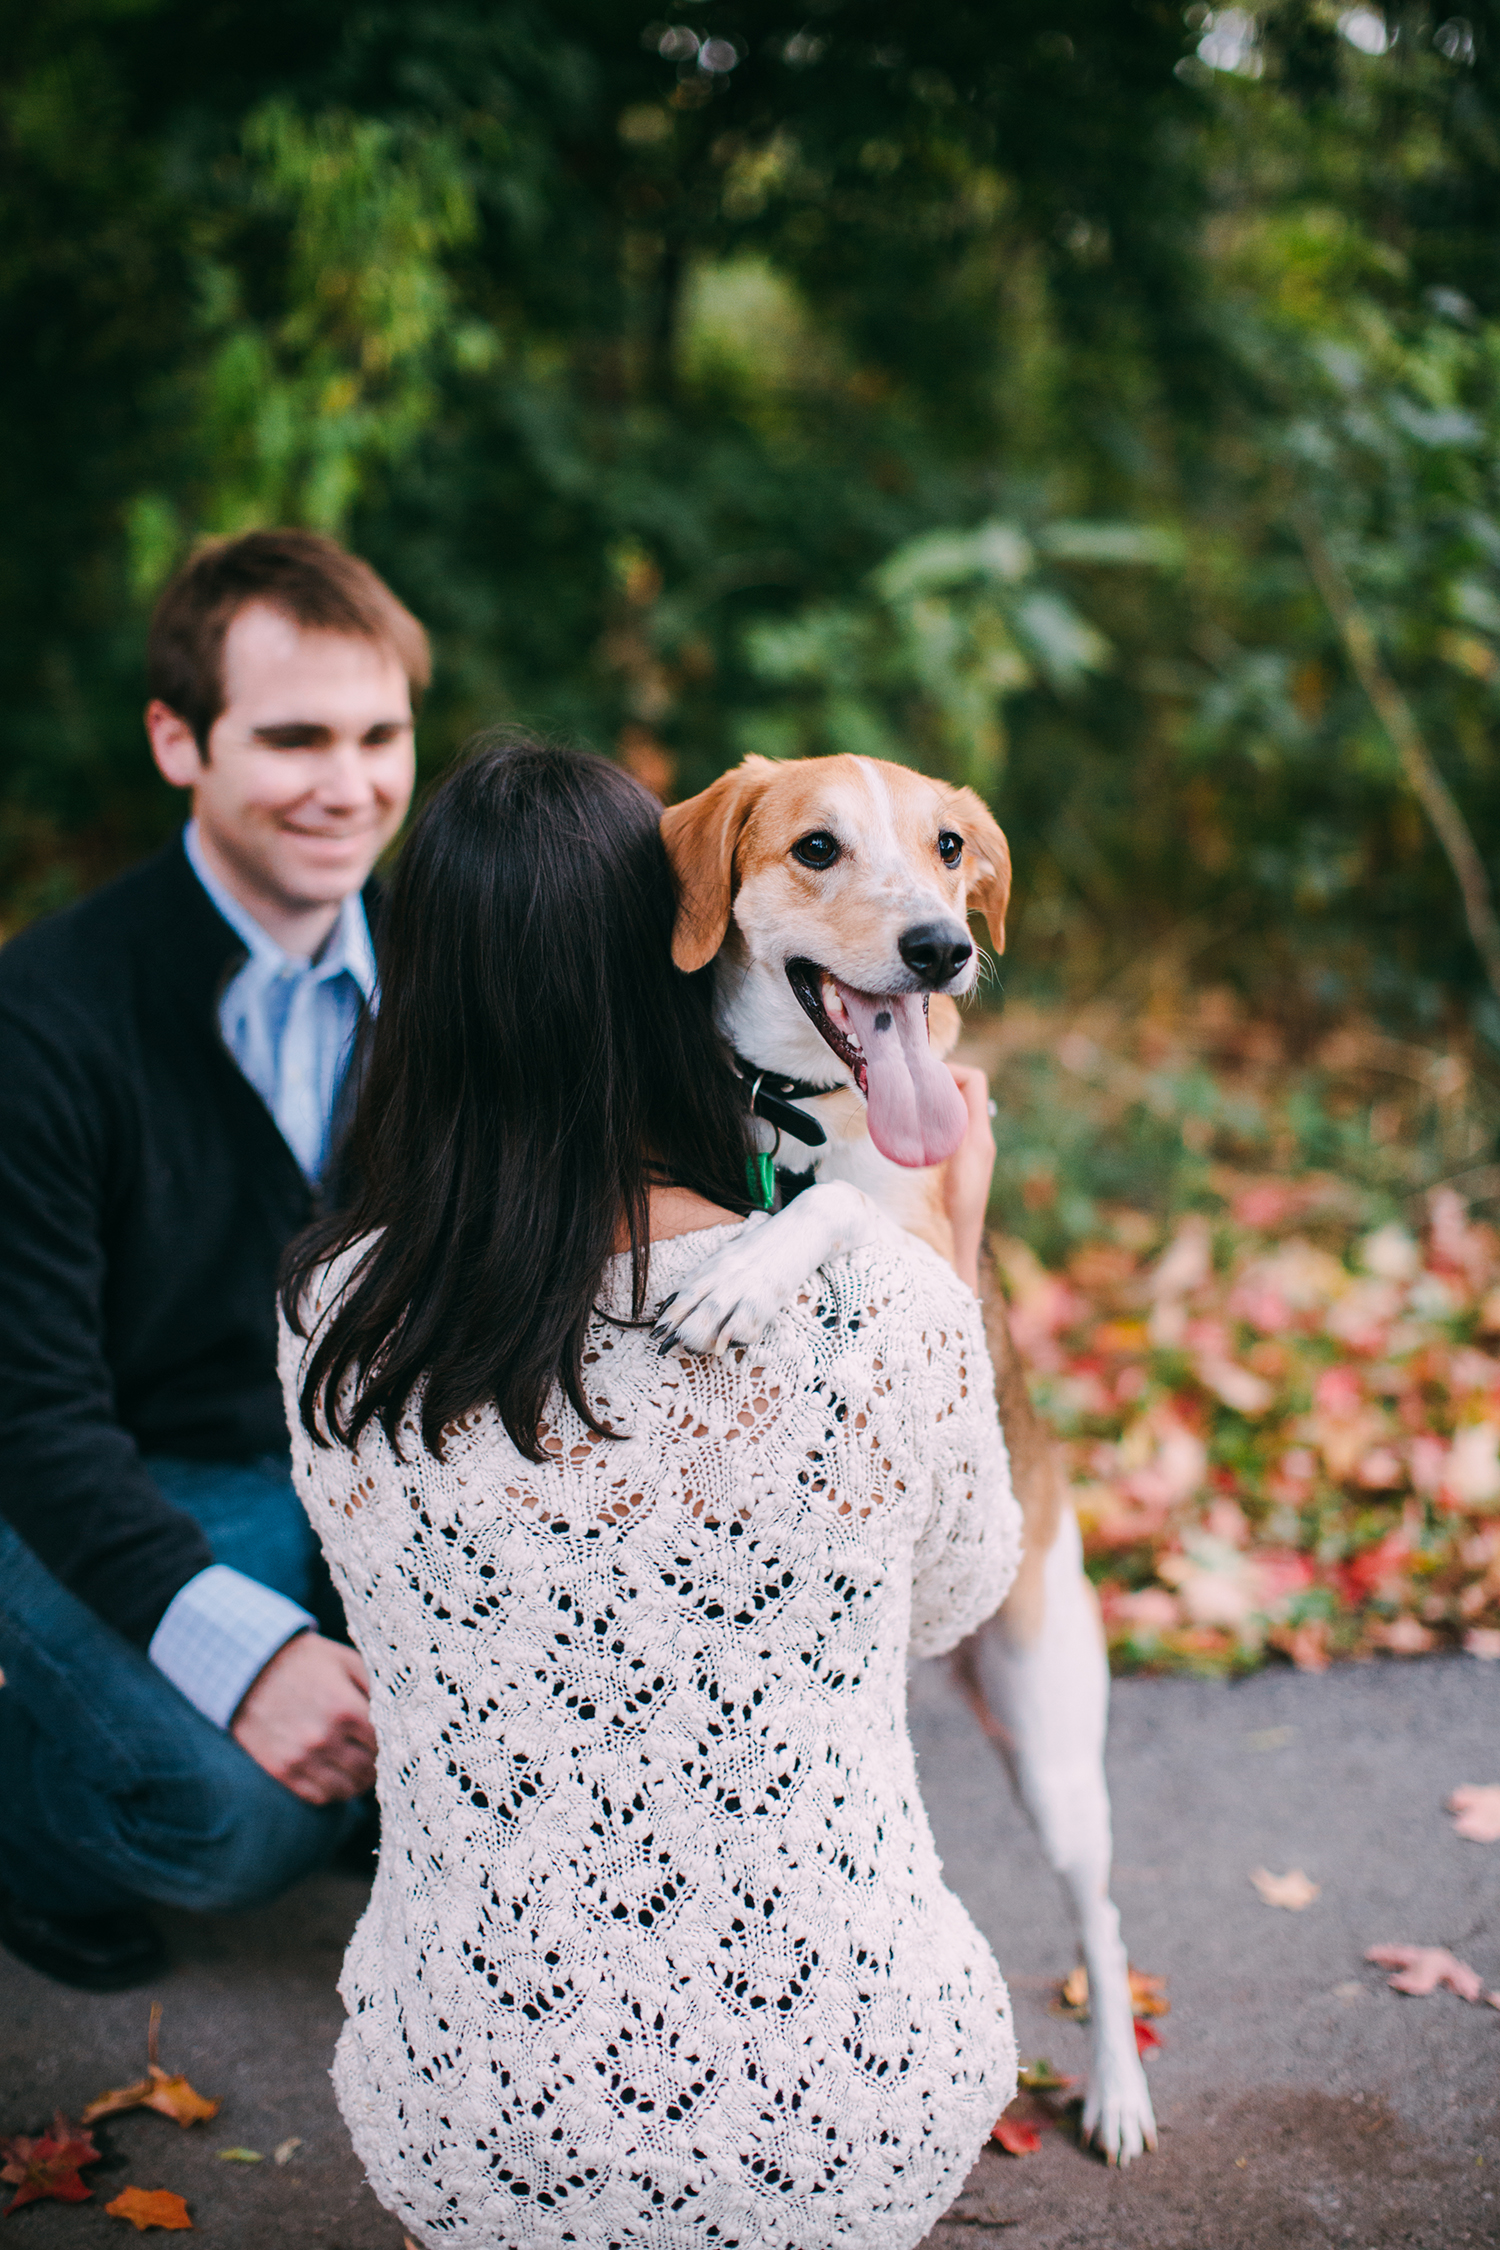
x,y
49,2167
1281,1432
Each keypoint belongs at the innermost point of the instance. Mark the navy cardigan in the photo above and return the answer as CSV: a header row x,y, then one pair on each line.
x,y
146,1197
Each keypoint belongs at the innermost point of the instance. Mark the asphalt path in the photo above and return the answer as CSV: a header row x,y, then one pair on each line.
x,y
1301,2102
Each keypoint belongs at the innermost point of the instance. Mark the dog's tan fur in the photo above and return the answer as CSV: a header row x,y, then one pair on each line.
x,y
731,855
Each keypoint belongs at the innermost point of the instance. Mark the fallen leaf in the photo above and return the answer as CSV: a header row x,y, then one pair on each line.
x,y
1145,2037
1293,1890
150,2207
240,2156
1041,2078
169,2095
1424,1967
1148,1995
286,2150
48,2165
1477,1805
1016,2135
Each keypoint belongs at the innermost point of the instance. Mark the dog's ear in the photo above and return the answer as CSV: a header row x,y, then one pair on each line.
x,y
700,837
989,856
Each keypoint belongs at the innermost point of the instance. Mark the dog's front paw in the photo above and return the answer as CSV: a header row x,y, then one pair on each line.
x,y
1117,2113
732,1298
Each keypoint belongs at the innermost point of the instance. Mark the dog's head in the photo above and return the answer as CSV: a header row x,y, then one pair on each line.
x,y
839,890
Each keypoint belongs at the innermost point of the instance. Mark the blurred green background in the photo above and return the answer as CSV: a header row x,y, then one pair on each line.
x,y
1095,400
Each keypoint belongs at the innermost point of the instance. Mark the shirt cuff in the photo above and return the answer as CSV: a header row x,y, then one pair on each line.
x,y
218,1633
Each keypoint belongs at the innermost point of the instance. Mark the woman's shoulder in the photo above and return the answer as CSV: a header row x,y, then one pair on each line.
x,y
326,1283
901,1283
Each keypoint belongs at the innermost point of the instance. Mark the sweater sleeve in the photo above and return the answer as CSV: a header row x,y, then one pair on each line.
x,y
969,1548
72,1482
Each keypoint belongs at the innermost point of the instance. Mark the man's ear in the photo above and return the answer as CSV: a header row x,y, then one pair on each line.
x,y
174,746
700,837
988,857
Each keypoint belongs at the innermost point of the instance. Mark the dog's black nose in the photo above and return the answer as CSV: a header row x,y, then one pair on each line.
x,y
935,951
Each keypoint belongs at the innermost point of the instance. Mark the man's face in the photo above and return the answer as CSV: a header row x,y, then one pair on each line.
x,y
310,763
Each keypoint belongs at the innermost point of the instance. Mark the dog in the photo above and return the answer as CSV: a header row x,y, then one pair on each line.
x,y
832,896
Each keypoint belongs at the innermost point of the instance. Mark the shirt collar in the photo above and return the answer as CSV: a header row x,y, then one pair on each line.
x,y
346,950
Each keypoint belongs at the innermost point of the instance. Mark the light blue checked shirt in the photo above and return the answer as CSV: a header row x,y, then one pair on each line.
x,y
289,1024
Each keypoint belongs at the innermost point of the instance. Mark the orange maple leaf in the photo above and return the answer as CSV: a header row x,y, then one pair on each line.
x,y
1148,1994
47,2165
150,2207
168,2094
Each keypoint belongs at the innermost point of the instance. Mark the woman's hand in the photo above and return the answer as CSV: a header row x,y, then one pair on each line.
x,y
966,1179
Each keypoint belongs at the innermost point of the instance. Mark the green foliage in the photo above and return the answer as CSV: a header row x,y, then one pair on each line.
x,y
949,384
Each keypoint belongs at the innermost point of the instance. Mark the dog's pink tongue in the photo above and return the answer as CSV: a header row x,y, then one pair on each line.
x,y
917,1114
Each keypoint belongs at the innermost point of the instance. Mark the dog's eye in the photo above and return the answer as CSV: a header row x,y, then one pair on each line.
x,y
817,850
950,848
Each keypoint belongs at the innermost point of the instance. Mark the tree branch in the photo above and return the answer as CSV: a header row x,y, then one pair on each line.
x,y
1417,762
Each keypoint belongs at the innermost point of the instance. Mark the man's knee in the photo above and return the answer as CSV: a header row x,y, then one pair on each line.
x,y
223,1841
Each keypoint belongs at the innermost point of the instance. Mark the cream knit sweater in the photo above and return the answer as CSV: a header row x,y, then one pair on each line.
x,y
659,1954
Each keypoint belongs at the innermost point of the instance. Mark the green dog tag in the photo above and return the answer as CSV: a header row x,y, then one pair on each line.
x,y
761,1175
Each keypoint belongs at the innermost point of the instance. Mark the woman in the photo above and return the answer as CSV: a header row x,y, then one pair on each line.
x,y
658,1951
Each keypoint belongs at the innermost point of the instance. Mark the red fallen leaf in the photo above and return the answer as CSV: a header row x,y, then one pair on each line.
x,y
1424,1967
47,2165
1016,2136
1145,2037
150,2207
1477,1805
169,2095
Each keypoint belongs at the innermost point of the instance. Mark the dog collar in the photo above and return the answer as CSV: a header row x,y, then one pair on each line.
x,y
772,1096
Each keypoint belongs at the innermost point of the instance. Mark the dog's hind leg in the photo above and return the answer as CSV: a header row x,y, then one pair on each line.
x,y
1042,1680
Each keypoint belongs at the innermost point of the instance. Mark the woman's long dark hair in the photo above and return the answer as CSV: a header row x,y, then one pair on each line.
x,y
536,1063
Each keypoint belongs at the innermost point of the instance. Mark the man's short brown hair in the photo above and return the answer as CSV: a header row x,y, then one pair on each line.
x,y
313,581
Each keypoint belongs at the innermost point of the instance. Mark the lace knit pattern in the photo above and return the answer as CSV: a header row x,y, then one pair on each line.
x,y
658,1956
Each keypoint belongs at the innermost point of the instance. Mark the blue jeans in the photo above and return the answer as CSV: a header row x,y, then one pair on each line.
x,y
114,1789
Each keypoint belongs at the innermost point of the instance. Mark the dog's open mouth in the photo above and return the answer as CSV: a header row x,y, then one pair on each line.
x,y
916,1113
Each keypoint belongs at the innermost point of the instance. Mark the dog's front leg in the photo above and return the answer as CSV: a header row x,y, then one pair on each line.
x,y
1046,1681
733,1297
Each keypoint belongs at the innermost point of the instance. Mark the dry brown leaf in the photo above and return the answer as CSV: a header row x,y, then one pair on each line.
x,y
167,2093
1477,1805
1292,1890
286,2150
1148,1995
150,2207
1424,1967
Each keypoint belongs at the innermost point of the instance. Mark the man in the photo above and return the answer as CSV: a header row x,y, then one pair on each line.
x,y
178,1722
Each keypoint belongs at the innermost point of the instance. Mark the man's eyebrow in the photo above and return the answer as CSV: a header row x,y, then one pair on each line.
x,y
302,734
288,731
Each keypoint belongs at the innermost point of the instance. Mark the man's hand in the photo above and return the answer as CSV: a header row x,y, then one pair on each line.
x,y
966,1181
306,1719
